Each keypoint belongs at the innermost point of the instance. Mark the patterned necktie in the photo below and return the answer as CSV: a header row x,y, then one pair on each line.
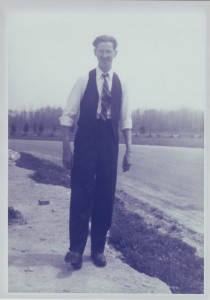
x,y
105,99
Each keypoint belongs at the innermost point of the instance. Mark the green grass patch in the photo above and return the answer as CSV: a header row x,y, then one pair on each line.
x,y
155,254
15,216
153,140
188,142
45,171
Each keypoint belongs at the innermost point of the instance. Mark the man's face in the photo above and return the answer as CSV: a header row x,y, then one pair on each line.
x,y
105,53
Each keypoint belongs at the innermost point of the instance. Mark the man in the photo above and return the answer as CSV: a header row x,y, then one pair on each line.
x,y
100,100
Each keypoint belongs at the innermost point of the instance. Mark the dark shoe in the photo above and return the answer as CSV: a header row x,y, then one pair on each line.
x,y
98,259
75,258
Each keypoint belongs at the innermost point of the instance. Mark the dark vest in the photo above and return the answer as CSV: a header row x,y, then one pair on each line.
x,y
89,103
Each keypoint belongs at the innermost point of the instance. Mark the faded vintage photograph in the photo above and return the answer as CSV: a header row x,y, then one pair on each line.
x,y
106,136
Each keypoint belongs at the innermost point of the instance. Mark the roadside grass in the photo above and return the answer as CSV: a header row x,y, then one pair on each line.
x,y
15,216
143,248
45,171
171,140
155,254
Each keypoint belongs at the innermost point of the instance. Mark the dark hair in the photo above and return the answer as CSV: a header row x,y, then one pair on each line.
x,y
105,39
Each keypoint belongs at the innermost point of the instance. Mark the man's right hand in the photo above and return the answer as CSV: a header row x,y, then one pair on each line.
x,y
67,153
67,158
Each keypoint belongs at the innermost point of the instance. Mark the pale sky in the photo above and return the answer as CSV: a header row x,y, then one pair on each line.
x,y
161,53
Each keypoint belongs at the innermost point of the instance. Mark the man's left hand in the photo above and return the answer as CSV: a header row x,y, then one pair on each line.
x,y
126,162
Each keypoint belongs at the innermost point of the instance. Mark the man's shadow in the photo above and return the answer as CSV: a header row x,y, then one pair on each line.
x,y
45,259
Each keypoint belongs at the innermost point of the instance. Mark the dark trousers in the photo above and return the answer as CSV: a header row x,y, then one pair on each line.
x,y
93,183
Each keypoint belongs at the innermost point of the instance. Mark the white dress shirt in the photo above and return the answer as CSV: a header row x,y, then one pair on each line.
x,y
72,109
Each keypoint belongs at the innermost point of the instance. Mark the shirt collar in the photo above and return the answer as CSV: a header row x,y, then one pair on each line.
x,y
99,73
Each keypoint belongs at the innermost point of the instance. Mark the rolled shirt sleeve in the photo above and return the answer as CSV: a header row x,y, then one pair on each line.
x,y
125,120
72,108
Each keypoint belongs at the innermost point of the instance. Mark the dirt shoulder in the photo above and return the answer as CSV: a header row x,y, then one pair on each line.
x,y
38,243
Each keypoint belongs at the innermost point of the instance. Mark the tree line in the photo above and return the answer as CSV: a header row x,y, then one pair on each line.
x,y
37,122
181,121
46,121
